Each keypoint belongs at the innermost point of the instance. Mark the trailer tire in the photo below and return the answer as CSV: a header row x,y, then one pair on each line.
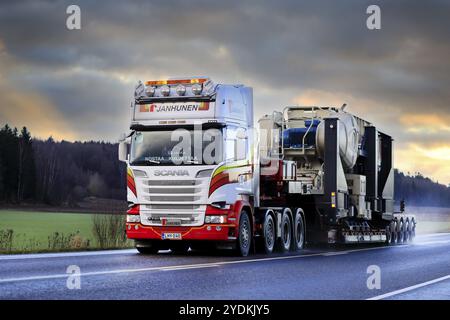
x,y
245,235
269,234
413,229
286,231
394,232
400,231
388,235
407,231
299,232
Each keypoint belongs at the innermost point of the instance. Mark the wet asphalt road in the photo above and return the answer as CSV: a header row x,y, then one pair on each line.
x,y
416,271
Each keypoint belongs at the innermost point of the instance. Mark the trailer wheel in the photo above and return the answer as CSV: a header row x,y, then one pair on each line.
x,y
269,234
299,232
400,231
286,231
413,229
245,235
407,231
388,235
394,232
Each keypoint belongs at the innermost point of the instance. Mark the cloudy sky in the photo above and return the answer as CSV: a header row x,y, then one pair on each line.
x,y
78,84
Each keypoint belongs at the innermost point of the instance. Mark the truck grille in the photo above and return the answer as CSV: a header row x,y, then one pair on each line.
x,y
173,202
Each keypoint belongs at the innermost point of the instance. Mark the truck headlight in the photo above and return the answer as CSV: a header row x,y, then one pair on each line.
x,y
215,219
133,218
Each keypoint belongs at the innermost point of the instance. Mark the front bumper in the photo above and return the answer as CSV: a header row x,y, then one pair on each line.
x,y
212,232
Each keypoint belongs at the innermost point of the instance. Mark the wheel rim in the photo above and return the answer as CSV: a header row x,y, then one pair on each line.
x,y
299,236
286,236
245,234
394,233
269,234
413,230
388,235
407,232
400,232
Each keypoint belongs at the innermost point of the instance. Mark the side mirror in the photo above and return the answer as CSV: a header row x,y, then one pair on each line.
x,y
123,151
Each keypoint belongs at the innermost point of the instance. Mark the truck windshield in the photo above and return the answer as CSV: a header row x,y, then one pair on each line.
x,y
176,147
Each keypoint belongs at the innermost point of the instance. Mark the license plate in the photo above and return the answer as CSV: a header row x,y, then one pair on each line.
x,y
171,236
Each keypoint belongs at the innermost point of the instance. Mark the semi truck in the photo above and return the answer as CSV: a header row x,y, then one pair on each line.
x,y
200,174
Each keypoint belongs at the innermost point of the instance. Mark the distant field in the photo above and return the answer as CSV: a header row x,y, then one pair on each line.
x,y
33,229
431,219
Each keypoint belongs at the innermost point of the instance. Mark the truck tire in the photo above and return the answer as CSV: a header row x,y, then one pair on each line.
x,y
286,232
269,236
146,247
299,232
245,235
147,250
179,247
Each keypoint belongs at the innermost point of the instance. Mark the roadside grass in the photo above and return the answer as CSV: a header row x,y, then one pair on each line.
x,y
27,232
424,227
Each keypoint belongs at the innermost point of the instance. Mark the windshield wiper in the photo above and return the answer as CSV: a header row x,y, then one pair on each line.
x,y
145,161
192,161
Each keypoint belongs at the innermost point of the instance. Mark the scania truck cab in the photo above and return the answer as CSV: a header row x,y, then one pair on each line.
x,y
188,165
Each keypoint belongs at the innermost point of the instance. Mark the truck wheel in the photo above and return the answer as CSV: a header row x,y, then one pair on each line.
x,y
286,232
179,247
299,232
146,247
245,235
269,234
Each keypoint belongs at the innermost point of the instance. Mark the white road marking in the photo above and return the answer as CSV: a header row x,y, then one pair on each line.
x,y
420,285
186,267
337,253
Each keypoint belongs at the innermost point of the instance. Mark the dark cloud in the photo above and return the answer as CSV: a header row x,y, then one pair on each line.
x,y
281,48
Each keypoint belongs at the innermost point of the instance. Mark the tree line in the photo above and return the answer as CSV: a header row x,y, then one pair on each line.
x,y
57,173
64,173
